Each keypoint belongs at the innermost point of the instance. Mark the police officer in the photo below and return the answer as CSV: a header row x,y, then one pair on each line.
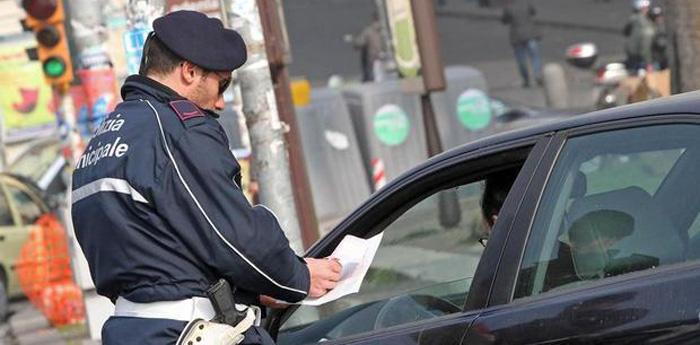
x,y
156,201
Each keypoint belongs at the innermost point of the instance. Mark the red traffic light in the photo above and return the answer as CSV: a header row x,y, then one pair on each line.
x,y
40,9
48,36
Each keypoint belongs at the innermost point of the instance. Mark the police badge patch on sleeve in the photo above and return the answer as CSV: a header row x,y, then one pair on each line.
x,y
185,109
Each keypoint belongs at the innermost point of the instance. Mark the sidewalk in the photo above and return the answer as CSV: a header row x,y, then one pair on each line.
x,y
27,326
502,85
591,15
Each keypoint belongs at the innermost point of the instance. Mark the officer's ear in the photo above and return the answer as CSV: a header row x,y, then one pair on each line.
x,y
188,72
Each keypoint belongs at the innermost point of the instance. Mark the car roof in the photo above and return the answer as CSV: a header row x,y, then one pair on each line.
x,y
685,103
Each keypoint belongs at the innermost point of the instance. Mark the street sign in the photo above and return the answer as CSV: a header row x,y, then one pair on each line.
x,y
403,35
391,125
474,110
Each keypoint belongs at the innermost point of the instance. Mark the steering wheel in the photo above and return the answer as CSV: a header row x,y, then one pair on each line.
x,y
409,308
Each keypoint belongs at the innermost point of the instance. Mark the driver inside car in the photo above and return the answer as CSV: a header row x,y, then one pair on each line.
x,y
560,269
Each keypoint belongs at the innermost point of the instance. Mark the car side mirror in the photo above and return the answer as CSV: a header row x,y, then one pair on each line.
x,y
582,55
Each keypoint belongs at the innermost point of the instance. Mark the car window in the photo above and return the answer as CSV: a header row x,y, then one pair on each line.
x,y
5,213
598,217
28,209
422,270
614,171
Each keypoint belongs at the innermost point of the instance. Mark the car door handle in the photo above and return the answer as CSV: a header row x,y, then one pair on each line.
x,y
2,238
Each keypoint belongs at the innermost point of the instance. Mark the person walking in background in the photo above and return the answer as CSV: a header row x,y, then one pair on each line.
x,y
639,32
659,57
369,42
524,37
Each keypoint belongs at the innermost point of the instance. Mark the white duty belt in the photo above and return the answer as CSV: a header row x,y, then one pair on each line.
x,y
182,310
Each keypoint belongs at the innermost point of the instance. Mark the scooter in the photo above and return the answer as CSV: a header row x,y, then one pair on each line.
x,y
607,81
607,78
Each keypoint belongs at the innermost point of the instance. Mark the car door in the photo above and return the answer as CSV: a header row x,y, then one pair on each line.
x,y
612,245
423,274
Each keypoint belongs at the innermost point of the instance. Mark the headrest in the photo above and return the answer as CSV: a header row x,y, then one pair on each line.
x,y
640,227
592,238
580,186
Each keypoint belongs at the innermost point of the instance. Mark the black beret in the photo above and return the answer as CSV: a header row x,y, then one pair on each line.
x,y
201,40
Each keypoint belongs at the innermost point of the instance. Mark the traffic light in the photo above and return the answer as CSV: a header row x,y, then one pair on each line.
x,y
46,19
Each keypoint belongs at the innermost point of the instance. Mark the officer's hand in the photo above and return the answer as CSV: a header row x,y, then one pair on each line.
x,y
324,273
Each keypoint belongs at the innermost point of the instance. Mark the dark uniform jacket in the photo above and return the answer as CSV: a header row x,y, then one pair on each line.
x,y
159,213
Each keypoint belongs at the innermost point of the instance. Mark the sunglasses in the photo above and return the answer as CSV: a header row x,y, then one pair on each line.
x,y
224,83
224,79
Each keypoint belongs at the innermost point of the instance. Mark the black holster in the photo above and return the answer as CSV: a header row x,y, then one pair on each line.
x,y
221,296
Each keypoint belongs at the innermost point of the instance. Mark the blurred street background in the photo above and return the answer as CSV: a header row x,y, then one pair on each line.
x,y
470,35
349,134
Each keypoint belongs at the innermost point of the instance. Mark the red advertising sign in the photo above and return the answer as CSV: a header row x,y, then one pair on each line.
x,y
101,95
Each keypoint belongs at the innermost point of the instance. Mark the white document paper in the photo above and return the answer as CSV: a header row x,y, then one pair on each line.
x,y
355,255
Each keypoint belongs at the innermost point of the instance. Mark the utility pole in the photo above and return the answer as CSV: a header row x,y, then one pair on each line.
x,y
88,33
275,47
387,48
433,75
73,140
270,159
683,24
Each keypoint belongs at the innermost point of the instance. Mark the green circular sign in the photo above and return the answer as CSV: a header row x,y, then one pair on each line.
x,y
391,125
474,110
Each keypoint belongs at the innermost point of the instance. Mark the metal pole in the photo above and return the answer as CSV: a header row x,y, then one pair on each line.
x,y
433,75
274,39
87,33
142,13
388,61
432,135
73,139
237,105
270,160
432,69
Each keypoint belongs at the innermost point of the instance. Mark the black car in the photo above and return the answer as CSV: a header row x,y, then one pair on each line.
x,y
597,242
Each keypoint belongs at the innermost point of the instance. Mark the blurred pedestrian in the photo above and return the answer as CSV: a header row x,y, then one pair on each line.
x,y
369,42
524,37
639,32
659,45
158,209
